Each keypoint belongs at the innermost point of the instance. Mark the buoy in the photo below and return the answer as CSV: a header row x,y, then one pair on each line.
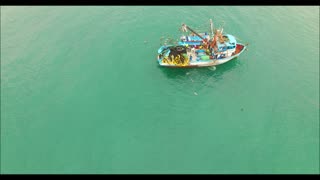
x,y
213,68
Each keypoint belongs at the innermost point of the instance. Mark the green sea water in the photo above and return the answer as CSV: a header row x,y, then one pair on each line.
x,y
81,92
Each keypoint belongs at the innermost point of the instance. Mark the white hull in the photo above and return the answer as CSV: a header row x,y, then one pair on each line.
x,y
207,63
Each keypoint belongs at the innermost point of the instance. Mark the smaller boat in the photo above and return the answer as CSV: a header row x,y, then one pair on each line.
x,y
200,49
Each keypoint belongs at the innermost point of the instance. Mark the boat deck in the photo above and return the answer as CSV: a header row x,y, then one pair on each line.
x,y
193,55
209,62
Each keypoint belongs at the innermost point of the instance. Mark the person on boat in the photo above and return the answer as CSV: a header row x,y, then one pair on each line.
x,y
193,50
207,51
205,44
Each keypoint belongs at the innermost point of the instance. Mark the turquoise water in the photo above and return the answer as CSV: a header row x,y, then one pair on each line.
x,y
81,92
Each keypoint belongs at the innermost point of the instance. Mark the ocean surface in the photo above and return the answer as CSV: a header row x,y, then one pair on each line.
x,y
82,92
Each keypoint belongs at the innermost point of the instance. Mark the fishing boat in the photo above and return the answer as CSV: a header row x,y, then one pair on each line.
x,y
200,49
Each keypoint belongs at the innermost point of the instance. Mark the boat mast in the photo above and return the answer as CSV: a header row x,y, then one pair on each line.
x,y
211,26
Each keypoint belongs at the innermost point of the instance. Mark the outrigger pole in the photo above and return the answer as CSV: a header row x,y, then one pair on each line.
x,y
184,26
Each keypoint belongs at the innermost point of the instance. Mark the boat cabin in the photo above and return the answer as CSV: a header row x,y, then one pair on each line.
x,y
228,42
226,46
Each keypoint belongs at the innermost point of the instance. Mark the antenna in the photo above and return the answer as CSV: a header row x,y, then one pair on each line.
x,y
211,26
222,26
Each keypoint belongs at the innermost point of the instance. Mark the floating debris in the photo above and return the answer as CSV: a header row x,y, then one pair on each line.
x,y
195,93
